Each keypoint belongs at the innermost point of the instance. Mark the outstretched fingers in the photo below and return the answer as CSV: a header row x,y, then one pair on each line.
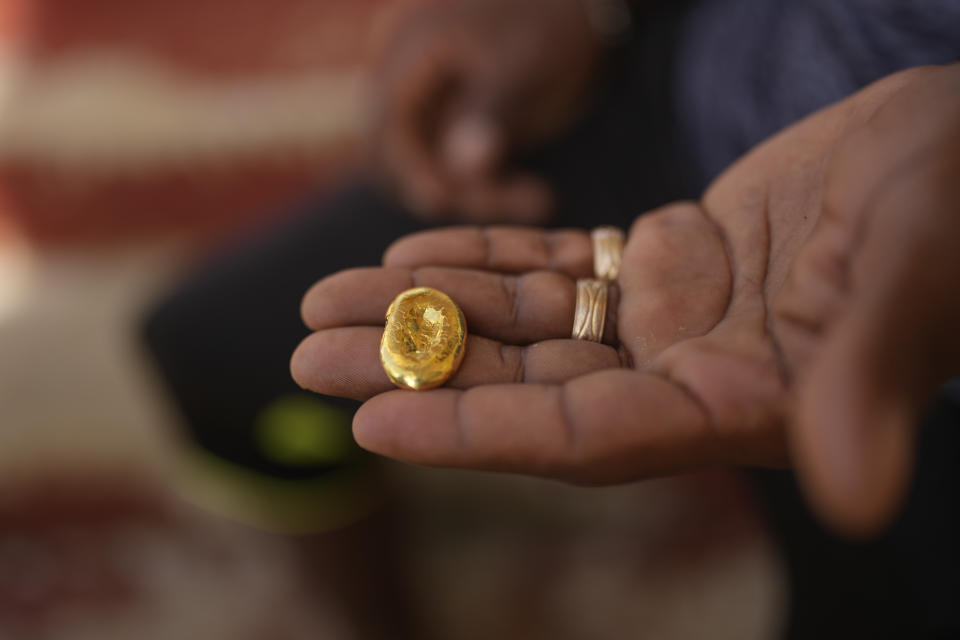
x,y
513,309
344,362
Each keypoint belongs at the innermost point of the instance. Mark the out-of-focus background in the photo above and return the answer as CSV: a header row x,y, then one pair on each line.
x,y
137,141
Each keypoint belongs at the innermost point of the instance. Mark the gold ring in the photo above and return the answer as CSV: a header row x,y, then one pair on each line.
x,y
590,314
607,252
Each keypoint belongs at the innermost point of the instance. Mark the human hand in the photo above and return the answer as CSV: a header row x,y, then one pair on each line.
x,y
465,85
803,312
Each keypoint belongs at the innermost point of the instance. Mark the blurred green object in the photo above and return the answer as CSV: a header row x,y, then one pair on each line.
x,y
302,430
294,507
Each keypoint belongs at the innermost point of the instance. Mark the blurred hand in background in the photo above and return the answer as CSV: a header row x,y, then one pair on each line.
x,y
464,86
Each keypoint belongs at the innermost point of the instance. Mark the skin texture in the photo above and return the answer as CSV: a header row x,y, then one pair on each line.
x,y
463,86
803,312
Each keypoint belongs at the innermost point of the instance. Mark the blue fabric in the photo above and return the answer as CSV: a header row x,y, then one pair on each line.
x,y
748,68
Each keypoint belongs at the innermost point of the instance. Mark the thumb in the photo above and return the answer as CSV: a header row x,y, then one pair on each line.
x,y
854,430
881,361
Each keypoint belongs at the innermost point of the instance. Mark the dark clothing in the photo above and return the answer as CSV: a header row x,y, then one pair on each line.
x,y
746,69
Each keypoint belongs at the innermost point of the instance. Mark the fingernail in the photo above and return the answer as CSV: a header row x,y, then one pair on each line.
x,y
471,145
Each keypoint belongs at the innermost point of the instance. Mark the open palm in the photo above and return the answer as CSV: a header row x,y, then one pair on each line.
x,y
731,312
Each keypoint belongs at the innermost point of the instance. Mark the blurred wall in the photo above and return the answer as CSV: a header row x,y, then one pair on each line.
x,y
123,119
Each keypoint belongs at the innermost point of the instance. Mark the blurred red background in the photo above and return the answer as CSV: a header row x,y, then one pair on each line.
x,y
122,119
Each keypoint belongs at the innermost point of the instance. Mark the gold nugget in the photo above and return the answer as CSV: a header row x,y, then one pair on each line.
x,y
424,339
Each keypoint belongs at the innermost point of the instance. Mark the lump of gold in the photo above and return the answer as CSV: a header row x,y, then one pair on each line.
x,y
424,339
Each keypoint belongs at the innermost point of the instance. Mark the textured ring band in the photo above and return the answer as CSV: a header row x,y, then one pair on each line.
x,y
607,252
590,314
